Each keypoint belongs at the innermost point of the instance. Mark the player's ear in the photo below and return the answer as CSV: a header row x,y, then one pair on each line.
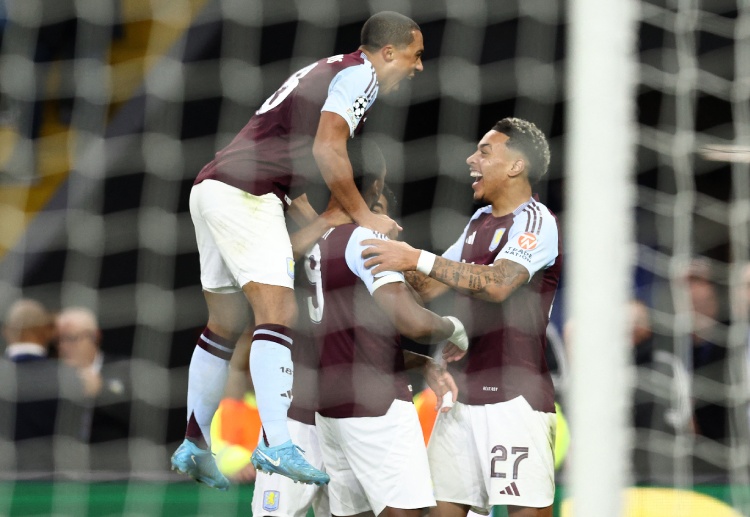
x,y
387,53
518,167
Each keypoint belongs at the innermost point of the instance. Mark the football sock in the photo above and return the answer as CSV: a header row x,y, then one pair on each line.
x,y
209,368
272,372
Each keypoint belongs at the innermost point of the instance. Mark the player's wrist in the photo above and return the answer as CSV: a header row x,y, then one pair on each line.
x,y
425,262
459,336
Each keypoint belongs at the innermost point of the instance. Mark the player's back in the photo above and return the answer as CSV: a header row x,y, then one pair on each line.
x,y
361,361
274,149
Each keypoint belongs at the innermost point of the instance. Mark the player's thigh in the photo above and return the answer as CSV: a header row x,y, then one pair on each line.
x,y
516,444
248,231
346,495
454,463
228,314
271,303
388,458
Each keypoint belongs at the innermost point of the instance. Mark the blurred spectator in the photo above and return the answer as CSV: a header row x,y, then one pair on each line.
x,y
106,419
38,395
661,400
709,352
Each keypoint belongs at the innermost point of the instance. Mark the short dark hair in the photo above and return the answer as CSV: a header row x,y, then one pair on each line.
x,y
367,162
390,198
525,137
388,28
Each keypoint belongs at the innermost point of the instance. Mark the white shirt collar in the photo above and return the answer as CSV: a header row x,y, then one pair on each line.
x,y
17,349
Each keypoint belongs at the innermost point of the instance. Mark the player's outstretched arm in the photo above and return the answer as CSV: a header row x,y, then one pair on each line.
x,y
414,321
493,283
399,256
329,150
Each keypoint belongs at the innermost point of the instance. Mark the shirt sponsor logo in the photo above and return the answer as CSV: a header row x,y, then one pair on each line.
x,y
489,388
290,267
497,238
528,241
516,252
470,238
271,500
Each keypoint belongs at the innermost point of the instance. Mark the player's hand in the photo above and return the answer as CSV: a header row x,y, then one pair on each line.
x,y
380,223
452,353
389,255
443,384
336,217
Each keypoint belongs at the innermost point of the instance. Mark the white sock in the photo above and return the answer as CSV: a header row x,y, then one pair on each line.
x,y
209,368
272,372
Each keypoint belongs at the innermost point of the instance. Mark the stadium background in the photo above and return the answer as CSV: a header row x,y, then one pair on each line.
x,y
99,216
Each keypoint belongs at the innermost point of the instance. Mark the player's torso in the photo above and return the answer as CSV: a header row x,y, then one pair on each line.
x,y
361,362
506,356
273,152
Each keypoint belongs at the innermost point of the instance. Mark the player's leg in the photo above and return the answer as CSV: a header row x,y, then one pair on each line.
x,y
521,511
279,496
275,310
377,463
228,316
448,509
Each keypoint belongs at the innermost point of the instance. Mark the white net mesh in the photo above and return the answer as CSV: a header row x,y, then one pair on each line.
x,y
109,109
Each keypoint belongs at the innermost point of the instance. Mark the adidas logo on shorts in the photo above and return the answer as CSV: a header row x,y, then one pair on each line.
x,y
511,489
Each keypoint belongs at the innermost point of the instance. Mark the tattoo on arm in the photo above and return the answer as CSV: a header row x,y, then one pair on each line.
x,y
477,279
417,280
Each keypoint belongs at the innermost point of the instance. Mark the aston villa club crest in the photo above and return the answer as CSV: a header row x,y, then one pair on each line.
x,y
497,238
271,500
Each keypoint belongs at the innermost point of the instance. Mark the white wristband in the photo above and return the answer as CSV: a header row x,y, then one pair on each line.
x,y
425,262
459,337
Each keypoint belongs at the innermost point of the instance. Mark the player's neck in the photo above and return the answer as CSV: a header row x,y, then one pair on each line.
x,y
510,199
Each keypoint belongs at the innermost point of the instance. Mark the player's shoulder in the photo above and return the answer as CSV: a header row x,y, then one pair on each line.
x,y
342,61
481,211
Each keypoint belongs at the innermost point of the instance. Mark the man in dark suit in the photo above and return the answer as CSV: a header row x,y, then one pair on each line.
x,y
106,419
38,394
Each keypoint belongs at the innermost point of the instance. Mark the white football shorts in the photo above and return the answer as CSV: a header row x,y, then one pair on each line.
x,y
376,462
494,454
279,496
241,238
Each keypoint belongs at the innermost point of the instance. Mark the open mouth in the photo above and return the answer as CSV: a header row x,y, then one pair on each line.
x,y
477,176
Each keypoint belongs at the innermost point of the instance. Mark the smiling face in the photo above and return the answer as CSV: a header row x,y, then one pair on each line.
x,y
400,63
492,165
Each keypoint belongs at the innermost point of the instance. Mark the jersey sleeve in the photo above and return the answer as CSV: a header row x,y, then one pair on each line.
x,y
356,263
533,250
348,94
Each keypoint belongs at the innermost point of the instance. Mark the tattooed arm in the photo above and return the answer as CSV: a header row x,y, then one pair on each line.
x,y
493,283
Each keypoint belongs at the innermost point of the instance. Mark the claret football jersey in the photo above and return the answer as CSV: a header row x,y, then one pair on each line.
x,y
361,369
506,356
273,152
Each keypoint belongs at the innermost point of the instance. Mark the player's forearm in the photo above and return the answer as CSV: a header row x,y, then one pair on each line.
x,y
492,283
337,173
427,288
414,360
303,240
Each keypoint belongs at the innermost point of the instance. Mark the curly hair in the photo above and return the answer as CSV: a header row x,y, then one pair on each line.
x,y
525,137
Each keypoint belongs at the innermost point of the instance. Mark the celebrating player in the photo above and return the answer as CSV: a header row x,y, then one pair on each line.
x,y
237,204
368,430
505,267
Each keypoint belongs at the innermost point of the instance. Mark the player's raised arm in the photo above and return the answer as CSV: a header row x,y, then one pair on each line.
x,y
331,156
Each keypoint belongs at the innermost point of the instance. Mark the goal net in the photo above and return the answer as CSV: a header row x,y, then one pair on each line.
x,y
108,110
